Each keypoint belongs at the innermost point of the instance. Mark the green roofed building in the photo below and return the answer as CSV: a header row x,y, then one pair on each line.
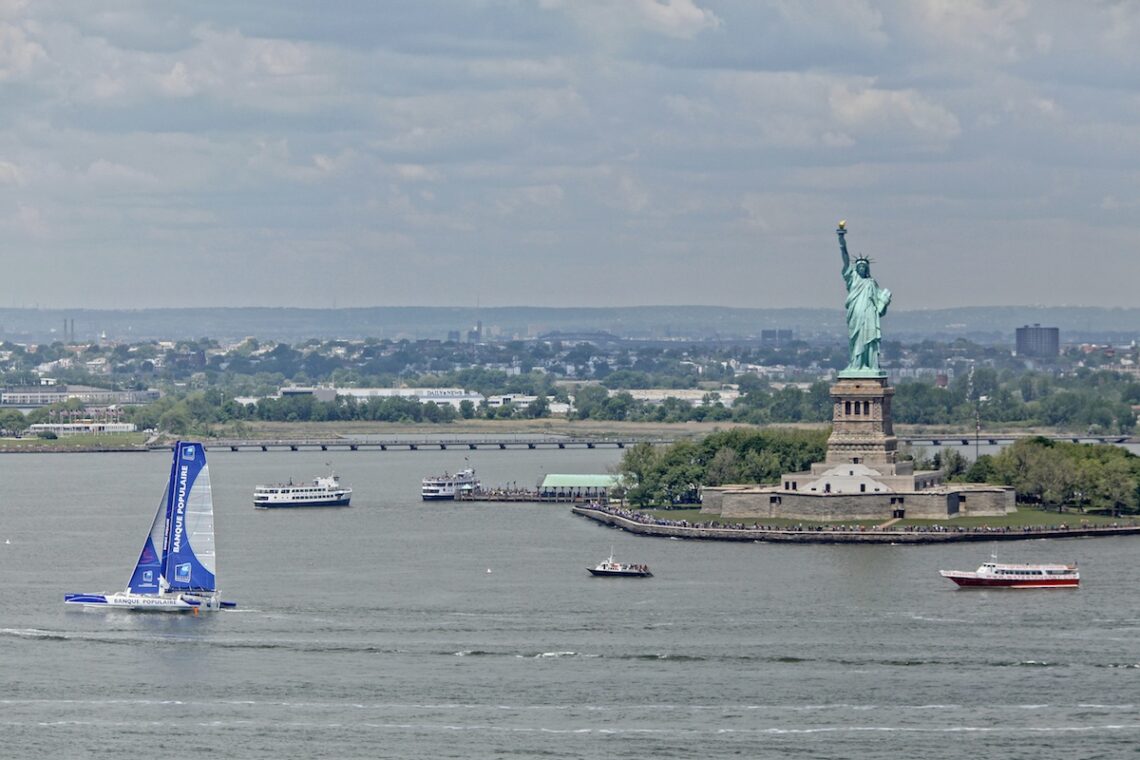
x,y
579,487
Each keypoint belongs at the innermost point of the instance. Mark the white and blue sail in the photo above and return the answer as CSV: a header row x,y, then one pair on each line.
x,y
176,569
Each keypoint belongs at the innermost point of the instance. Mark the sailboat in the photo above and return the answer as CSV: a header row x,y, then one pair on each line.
x,y
176,570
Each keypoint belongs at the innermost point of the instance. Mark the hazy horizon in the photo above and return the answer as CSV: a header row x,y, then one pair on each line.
x,y
498,153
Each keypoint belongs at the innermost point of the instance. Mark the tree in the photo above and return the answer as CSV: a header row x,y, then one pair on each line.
x,y
13,421
588,400
176,420
540,407
953,464
723,468
640,472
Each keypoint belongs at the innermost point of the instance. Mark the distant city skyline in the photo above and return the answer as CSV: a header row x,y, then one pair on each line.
x,y
567,153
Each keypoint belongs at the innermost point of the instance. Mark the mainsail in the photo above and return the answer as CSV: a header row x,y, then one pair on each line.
x,y
178,554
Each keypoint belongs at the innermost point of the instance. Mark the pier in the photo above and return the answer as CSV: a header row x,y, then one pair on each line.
x,y
527,495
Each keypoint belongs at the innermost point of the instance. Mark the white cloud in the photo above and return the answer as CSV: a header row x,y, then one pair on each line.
x,y
680,19
19,55
177,83
10,174
872,110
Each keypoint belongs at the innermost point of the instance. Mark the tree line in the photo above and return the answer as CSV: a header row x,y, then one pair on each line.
x,y
1062,475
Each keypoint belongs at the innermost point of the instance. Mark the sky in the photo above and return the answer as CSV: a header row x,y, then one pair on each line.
x,y
567,152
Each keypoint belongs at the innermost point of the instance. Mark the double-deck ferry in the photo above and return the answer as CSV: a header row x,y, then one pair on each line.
x,y
1000,575
320,492
447,487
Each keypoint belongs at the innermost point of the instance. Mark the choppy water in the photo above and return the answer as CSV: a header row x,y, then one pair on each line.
x,y
377,631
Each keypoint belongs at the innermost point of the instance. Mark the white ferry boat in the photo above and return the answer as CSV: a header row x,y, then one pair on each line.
x,y
999,575
320,492
610,568
447,487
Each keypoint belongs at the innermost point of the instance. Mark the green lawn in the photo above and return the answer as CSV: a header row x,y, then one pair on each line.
x,y
1023,518
75,442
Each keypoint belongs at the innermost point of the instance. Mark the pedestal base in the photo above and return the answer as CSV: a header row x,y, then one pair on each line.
x,y
862,430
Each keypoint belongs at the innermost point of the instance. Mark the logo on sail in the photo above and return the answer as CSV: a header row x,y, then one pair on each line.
x,y
182,572
187,452
148,577
179,510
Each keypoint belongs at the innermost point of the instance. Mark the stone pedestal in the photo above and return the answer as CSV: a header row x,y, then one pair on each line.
x,y
862,431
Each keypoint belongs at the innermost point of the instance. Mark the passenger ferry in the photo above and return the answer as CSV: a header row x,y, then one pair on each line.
x,y
320,492
999,575
609,568
447,487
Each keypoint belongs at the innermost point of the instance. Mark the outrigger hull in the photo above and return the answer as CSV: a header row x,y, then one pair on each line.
x,y
150,602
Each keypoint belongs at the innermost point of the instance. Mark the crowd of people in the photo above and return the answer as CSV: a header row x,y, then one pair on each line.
x,y
646,518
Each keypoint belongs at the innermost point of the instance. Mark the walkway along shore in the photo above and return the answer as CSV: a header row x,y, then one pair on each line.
x,y
647,525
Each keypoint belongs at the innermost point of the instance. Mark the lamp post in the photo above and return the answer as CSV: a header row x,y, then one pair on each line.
x,y
977,411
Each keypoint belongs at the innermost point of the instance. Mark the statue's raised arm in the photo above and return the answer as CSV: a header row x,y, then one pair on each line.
x,y
841,232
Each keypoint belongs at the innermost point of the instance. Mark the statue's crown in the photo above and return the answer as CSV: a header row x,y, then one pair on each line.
x,y
863,258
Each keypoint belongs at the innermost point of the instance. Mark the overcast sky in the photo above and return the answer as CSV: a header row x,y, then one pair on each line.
x,y
567,152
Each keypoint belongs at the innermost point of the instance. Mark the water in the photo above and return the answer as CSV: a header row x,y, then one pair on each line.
x,y
377,631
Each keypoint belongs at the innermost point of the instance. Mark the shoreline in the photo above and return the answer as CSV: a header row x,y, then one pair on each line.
x,y
832,536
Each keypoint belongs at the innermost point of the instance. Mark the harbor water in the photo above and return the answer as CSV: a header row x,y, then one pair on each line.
x,y
401,629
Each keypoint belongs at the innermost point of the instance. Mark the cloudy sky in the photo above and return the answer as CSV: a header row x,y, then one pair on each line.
x,y
567,152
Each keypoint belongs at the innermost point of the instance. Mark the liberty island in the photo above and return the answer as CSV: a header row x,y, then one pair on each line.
x,y
862,476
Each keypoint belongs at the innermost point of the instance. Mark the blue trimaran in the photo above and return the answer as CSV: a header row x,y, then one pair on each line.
x,y
181,577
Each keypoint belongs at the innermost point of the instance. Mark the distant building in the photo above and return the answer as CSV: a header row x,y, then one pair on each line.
x,y
692,397
55,394
775,337
86,427
475,334
1038,341
438,396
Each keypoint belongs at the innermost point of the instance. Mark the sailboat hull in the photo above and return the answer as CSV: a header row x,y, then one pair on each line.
x,y
149,602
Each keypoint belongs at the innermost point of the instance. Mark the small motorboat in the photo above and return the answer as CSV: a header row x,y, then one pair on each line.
x,y
611,568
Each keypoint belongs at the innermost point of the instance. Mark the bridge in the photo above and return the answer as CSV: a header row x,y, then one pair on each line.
x,y
432,443
959,439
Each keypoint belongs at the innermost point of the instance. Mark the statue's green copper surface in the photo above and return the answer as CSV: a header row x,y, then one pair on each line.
x,y
866,303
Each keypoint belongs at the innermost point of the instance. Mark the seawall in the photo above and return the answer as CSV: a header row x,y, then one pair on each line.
x,y
834,536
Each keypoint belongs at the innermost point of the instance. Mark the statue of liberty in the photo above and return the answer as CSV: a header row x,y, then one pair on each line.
x,y
866,302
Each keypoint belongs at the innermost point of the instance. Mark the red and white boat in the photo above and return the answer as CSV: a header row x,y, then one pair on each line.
x,y
1001,575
